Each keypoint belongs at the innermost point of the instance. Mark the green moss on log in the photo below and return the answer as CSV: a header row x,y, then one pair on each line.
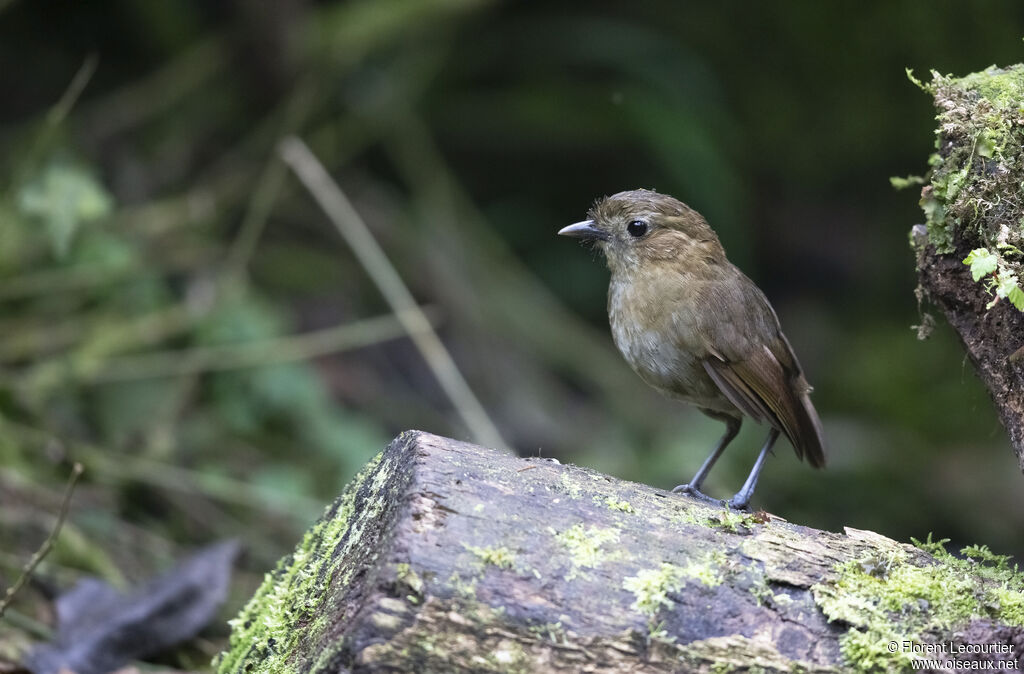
x,y
890,596
975,196
293,595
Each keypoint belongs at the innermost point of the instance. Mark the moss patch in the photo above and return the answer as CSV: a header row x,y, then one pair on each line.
x,y
721,518
406,575
498,556
651,587
734,522
571,487
891,596
293,594
736,653
975,199
586,547
616,504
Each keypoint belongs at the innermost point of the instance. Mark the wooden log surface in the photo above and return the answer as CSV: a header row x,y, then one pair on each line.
x,y
443,556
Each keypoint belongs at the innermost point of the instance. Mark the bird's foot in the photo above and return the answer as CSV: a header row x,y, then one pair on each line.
x,y
696,493
737,503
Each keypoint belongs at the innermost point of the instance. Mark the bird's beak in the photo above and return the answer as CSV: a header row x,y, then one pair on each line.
x,y
584,230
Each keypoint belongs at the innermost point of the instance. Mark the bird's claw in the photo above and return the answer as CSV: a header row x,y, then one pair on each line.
x,y
691,491
744,505
734,503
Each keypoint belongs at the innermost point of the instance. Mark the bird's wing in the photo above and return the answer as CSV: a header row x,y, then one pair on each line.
x,y
752,363
733,384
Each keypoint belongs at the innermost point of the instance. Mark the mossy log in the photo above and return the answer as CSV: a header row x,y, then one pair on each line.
x,y
443,556
970,255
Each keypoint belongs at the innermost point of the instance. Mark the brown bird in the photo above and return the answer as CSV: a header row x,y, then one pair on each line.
x,y
694,327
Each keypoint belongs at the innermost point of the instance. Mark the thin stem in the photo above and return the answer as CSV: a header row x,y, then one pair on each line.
x,y
353,229
268,187
60,111
177,363
105,466
54,118
44,549
29,625
217,487
154,93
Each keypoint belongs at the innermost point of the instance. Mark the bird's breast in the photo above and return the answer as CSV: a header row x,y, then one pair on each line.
x,y
651,328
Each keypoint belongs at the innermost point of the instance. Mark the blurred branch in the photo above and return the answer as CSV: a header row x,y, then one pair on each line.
x,y
223,185
44,549
349,31
105,338
104,464
54,118
353,229
59,112
268,187
44,334
249,354
154,93
59,280
219,487
28,625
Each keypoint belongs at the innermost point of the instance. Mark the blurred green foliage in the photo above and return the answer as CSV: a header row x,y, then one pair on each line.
x,y
147,223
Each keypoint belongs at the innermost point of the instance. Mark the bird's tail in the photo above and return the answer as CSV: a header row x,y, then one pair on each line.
x,y
806,434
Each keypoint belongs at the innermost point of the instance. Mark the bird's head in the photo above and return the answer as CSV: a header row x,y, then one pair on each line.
x,y
638,228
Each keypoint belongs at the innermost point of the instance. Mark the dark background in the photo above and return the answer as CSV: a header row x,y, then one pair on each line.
x,y
466,133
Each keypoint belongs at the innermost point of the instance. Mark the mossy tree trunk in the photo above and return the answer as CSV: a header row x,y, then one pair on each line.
x,y
974,205
447,557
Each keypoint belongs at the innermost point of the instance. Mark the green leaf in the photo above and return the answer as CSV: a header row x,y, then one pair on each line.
x,y
982,263
1006,283
903,183
1016,297
62,198
986,145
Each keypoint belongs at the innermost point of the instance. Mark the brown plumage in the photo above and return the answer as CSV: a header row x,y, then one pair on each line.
x,y
695,327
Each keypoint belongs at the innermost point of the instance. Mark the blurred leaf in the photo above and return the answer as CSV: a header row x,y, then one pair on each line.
x,y
900,183
232,393
104,252
282,482
74,548
62,198
99,629
129,408
1006,283
1016,297
238,320
13,235
349,440
286,398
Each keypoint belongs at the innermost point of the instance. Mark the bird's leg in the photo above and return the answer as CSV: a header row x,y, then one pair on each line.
x,y
742,498
732,427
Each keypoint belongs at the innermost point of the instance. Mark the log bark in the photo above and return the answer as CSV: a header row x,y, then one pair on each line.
x,y
447,557
974,201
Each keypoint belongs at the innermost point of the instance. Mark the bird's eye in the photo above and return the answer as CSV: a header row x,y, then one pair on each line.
x,y
637,228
